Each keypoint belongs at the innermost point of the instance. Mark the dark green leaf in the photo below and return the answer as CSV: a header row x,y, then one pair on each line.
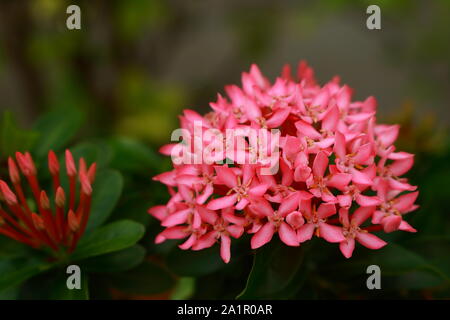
x,y
112,237
194,263
56,129
12,138
130,155
98,152
414,280
60,291
14,272
184,289
116,261
11,293
107,189
10,249
394,260
274,267
147,279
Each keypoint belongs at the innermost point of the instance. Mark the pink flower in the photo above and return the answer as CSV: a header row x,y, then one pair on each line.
x,y
330,156
241,186
352,231
317,223
276,221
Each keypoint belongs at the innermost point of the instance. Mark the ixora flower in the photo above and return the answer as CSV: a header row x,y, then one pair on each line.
x,y
340,174
40,223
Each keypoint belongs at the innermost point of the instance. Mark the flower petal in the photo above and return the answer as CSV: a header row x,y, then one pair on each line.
x,y
331,233
295,219
347,246
320,164
325,210
366,201
308,130
305,232
220,203
225,248
369,240
405,202
288,235
278,118
339,180
362,214
176,218
226,176
391,223
263,236
339,146
405,226
289,204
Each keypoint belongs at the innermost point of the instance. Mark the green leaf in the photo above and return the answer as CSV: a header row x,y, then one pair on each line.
x,y
10,249
194,263
146,279
414,280
112,237
12,138
131,155
184,289
274,267
393,260
12,293
59,290
56,129
116,261
107,189
16,271
95,151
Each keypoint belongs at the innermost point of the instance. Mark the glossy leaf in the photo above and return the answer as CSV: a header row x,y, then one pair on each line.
x,y
56,129
112,237
107,190
194,263
274,267
146,279
60,291
12,138
16,271
116,261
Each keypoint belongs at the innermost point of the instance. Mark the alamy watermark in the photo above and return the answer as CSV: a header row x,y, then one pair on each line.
x,y
201,145
73,21
373,22
74,280
374,280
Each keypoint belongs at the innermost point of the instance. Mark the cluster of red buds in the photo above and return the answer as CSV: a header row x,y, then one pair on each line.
x,y
40,223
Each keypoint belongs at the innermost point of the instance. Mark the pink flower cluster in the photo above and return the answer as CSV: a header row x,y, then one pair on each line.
x,y
339,178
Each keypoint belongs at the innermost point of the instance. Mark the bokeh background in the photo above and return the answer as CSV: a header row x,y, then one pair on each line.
x,y
127,74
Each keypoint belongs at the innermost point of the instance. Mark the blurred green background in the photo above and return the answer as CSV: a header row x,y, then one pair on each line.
x,y
122,80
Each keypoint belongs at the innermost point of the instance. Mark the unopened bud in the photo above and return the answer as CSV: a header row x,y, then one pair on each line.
x,y
8,195
70,164
30,163
72,221
60,198
13,171
37,221
45,203
91,172
82,165
53,163
86,187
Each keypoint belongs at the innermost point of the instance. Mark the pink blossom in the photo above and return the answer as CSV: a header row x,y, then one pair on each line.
x,y
337,168
352,231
